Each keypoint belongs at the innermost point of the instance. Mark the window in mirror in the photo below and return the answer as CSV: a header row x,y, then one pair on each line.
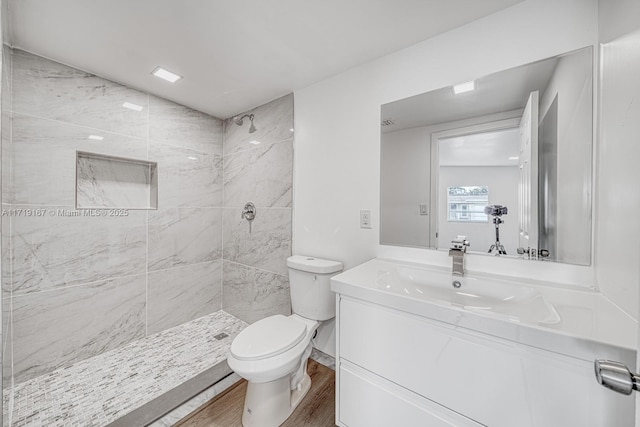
x,y
543,174
466,204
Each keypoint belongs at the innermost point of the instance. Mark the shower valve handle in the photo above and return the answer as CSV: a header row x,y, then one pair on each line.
x,y
249,211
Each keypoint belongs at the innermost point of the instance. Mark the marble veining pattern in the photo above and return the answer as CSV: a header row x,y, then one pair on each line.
x,y
44,88
7,341
187,177
110,183
263,175
181,294
69,248
273,120
5,125
5,224
57,328
5,137
251,294
5,240
174,124
100,390
267,246
182,236
43,157
7,348
78,282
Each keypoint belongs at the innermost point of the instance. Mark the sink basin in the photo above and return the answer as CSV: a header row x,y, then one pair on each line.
x,y
513,301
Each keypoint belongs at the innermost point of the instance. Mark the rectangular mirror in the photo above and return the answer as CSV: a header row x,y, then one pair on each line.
x,y
505,160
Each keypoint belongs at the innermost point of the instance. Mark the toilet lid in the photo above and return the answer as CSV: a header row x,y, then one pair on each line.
x,y
268,337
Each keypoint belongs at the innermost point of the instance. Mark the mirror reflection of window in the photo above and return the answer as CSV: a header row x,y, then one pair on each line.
x,y
415,176
466,204
485,155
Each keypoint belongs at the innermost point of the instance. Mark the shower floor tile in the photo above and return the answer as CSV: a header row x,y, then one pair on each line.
x,y
99,390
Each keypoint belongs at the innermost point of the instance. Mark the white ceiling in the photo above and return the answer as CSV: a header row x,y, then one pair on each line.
x,y
496,148
499,92
234,55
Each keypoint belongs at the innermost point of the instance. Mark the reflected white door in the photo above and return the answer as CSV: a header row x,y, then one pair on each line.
x,y
528,182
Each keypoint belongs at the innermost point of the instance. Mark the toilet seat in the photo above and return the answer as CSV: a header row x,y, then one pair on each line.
x,y
282,363
268,337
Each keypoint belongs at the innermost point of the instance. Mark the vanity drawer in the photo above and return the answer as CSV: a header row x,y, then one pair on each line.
x,y
493,381
366,400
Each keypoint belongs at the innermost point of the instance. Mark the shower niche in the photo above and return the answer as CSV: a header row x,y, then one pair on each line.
x,y
108,182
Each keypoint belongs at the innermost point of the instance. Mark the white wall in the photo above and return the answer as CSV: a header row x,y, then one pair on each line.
x,y
337,144
337,152
573,83
617,232
618,202
503,190
405,184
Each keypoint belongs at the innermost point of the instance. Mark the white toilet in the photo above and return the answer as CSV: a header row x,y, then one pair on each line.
x,y
272,353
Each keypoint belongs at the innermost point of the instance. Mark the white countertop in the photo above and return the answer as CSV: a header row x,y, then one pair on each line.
x,y
591,326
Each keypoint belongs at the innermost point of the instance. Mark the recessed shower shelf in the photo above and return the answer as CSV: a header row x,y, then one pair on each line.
x,y
109,182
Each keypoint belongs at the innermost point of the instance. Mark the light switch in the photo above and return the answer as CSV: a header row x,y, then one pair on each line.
x,y
423,209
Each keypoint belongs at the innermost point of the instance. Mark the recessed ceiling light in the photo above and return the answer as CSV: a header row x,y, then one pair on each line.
x,y
514,158
464,87
192,158
254,142
96,137
134,107
166,75
291,130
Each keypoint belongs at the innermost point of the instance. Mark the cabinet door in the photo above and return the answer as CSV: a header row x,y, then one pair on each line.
x,y
490,380
370,401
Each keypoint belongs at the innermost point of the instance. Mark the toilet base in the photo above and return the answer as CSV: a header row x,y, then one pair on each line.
x,y
270,404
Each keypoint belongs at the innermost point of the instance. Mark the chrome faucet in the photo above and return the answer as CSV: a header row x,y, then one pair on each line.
x,y
458,248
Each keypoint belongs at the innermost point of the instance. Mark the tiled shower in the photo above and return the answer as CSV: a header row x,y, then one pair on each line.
x,y
77,286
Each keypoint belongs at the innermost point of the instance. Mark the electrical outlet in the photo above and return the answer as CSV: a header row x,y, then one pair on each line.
x,y
365,219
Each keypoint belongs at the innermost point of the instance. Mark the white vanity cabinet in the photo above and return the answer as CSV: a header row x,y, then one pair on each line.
x,y
396,368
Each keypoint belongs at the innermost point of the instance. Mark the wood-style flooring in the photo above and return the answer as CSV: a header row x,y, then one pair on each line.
x,y
317,409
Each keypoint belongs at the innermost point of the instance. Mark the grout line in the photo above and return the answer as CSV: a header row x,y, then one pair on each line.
x,y
77,125
113,278
293,176
222,222
260,146
26,205
258,268
11,252
11,256
59,288
156,142
146,261
147,138
184,265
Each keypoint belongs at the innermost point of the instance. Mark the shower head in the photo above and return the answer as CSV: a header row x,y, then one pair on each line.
x,y
239,120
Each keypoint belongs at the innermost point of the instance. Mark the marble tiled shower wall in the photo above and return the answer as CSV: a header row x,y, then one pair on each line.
x,y
77,286
5,127
74,286
258,167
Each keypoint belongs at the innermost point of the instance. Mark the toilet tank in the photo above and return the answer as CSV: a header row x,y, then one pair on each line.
x,y
309,282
